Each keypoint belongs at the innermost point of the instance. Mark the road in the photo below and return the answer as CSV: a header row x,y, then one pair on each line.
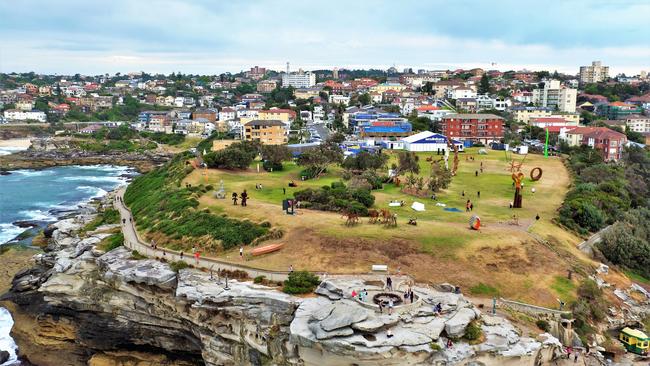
x,y
323,131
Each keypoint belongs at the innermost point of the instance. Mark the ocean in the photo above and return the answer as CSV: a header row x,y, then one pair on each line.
x,y
43,195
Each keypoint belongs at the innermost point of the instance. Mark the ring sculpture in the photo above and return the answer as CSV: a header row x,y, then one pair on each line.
x,y
536,174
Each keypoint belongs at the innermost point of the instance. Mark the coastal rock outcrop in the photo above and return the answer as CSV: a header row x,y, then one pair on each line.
x,y
81,306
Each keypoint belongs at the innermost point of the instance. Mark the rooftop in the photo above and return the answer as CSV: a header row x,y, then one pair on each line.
x,y
259,122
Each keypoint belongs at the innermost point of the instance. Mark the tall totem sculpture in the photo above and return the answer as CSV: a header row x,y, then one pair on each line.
x,y
517,178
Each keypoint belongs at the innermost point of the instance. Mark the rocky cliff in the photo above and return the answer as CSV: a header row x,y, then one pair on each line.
x,y
80,306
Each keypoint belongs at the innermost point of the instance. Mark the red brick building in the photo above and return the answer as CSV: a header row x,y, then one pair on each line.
x,y
609,142
477,127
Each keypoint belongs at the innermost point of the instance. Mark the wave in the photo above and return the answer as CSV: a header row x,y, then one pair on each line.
x,y
38,215
6,150
9,231
32,173
6,343
95,191
104,168
117,180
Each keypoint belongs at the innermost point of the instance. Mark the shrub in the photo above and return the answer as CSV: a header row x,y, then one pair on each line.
x,y
137,256
270,166
627,243
336,197
435,346
259,279
112,242
543,325
473,331
178,265
300,282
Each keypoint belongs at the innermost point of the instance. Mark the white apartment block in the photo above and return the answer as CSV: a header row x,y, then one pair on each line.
x,y
594,73
553,95
339,99
638,123
299,80
18,115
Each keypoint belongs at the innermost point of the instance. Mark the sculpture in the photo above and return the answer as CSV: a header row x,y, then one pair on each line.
x,y
517,178
221,193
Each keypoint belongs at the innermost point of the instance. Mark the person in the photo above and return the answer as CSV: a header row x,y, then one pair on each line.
x,y
381,307
575,357
433,196
261,186
291,268
284,191
471,206
390,305
537,217
354,293
467,206
439,308
244,197
241,253
478,194
411,296
476,173
181,255
463,193
123,221
389,334
568,351
234,198
389,284
449,343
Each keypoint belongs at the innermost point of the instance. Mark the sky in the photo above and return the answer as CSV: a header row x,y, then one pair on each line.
x,y
215,36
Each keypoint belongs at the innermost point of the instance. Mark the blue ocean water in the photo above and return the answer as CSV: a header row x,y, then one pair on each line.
x,y
41,195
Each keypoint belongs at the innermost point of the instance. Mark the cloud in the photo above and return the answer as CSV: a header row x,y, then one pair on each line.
x,y
204,36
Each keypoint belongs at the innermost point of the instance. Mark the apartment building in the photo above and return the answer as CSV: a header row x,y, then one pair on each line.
x,y
609,142
637,123
299,80
555,96
479,127
594,73
267,132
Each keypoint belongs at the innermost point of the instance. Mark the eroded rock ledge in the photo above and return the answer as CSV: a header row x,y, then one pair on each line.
x,y
80,306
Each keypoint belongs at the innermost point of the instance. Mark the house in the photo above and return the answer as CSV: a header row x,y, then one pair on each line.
x,y
208,114
384,87
426,141
266,86
24,105
227,114
461,92
609,142
617,110
267,132
91,129
467,104
478,127
306,93
339,99
553,124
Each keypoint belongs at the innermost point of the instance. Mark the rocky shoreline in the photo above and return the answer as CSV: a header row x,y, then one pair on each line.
x,y
81,306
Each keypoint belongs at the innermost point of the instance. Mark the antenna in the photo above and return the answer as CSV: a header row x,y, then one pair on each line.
x,y
287,67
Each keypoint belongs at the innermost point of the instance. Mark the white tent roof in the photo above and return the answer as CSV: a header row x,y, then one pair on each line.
x,y
418,206
418,136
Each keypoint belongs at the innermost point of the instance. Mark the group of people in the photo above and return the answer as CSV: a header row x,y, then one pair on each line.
x,y
390,304
361,295
469,206
258,186
408,295
243,196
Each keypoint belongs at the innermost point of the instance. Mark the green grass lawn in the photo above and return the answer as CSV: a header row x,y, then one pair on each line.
x,y
637,277
564,288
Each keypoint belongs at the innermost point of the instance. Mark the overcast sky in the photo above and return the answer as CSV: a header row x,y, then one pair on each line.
x,y
210,37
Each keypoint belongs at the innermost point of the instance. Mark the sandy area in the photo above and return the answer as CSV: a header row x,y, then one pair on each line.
x,y
22,143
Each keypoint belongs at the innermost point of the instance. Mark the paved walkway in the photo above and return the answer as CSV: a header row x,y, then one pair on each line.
x,y
133,241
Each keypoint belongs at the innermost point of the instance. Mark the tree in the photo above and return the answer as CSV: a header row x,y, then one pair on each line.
x,y
236,156
364,99
274,155
627,243
440,177
484,85
408,162
428,89
364,161
317,159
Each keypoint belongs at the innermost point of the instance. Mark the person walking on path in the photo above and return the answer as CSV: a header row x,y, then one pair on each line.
x,y
244,198
197,255
389,283
234,198
241,253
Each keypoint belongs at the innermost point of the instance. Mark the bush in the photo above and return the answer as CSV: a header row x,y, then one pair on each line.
x,y
543,325
627,243
270,166
259,279
473,331
336,197
301,282
137,256
178,265
112,242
